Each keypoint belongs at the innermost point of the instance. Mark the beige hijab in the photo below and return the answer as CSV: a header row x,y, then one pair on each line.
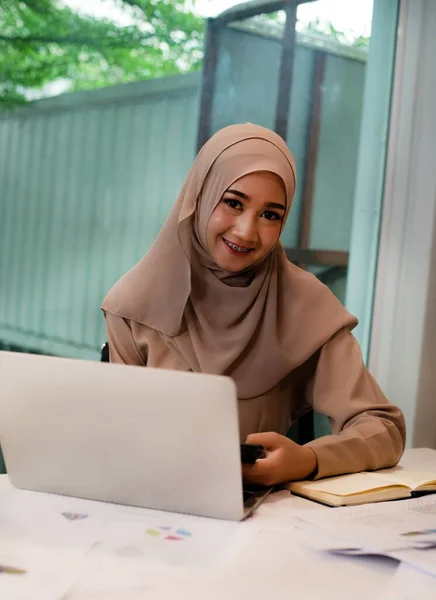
x,y
256,326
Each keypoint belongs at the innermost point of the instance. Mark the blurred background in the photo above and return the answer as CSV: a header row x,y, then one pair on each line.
x,y
104,104
131,89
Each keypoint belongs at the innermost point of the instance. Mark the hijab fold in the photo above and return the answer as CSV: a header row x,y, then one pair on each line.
x,y
255,326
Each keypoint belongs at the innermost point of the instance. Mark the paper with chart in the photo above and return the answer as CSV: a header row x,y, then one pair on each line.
x,y
404,530
405,523
60,542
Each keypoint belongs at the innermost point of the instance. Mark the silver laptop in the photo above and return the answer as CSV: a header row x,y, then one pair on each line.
x,y
145,437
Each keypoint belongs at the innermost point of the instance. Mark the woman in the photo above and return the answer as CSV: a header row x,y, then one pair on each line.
x,y
216,294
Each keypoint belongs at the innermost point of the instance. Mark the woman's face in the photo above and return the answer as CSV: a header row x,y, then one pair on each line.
x,y
247,221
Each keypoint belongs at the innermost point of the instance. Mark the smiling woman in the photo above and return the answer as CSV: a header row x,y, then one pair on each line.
x,y
216,294
246,223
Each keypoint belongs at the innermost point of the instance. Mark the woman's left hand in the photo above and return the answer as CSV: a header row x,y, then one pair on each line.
x,y
285,460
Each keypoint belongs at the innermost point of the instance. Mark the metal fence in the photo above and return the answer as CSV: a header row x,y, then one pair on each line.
x,y
87,180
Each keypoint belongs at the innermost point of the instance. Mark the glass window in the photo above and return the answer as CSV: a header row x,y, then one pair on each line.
x,y
103,110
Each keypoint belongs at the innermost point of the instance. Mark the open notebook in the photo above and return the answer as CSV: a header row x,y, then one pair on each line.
x,y
361,488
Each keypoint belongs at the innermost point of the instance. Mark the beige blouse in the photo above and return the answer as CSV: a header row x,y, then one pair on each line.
x,y
368,432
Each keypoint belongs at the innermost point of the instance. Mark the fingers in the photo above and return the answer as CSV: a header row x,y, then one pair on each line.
x,y
262,472
268,440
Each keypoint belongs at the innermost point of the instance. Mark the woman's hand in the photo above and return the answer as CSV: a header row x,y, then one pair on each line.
x,y
285,460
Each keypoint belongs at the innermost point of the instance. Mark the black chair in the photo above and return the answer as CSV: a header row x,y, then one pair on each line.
x,y
104,353
303,430
2,464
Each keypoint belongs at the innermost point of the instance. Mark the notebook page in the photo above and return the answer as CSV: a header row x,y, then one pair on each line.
x,y
407,476
345,485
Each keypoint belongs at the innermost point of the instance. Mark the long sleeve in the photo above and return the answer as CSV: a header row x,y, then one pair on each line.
x,y
122,346
368,431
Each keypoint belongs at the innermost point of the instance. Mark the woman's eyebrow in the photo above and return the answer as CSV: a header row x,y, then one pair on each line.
x,y
238,193
275,205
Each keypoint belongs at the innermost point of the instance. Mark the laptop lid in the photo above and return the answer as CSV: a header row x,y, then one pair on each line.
x,y
145,437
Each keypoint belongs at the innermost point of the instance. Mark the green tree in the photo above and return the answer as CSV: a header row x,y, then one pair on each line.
x,y
328,31
42,41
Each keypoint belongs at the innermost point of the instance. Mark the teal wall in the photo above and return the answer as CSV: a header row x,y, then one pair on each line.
x,y
87,180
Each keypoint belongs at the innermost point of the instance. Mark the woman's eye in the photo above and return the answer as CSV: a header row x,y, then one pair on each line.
x,y
272,216
233,203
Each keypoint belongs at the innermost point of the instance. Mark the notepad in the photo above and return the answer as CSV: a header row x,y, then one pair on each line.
x,y
361,488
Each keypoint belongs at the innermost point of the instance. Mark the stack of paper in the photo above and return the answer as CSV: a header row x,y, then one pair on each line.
x,y
52,545
403,530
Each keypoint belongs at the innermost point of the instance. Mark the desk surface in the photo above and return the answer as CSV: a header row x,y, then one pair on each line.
x,y
270,566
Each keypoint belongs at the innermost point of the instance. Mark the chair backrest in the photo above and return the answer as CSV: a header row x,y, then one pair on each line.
x,y
104,353
303,430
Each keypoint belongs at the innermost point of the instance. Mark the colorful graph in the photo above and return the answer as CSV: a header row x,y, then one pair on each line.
x,y
424,532
72,516
171,534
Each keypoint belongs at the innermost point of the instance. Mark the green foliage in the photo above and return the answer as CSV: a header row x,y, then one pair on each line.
x,y
42,41
330,32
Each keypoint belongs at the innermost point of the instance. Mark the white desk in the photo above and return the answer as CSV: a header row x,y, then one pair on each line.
x,y
271,566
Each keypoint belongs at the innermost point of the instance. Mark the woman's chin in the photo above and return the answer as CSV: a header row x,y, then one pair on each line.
x,y
234,266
